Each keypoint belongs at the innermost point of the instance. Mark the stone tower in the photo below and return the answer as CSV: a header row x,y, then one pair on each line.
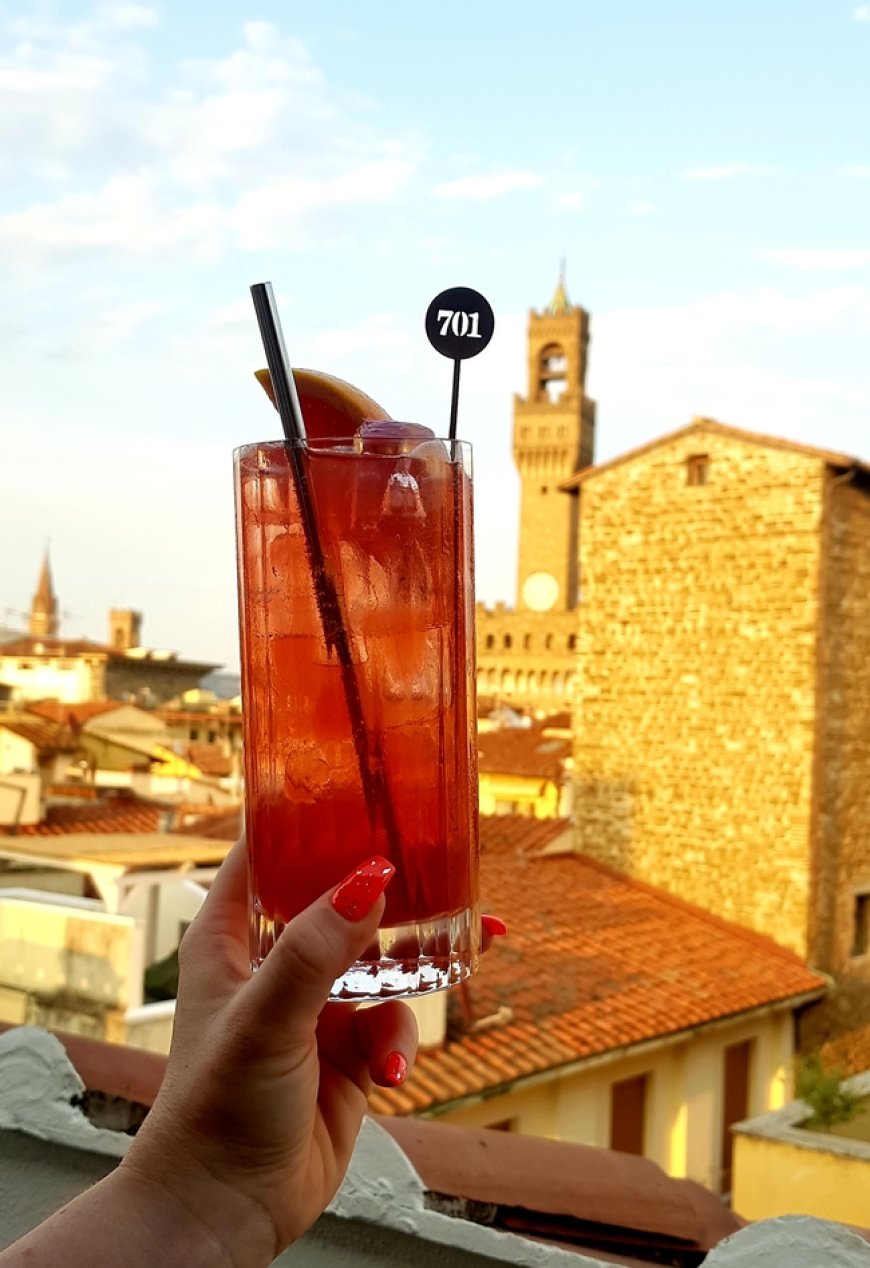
x,y
554,437
125,629
44,619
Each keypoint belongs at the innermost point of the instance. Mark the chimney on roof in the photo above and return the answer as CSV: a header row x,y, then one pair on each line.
x,y
125,629
43,609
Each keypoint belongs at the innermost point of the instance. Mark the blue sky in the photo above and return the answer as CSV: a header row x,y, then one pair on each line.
x,y
704,167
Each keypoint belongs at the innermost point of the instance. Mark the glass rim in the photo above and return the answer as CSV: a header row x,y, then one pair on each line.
x,y
352,444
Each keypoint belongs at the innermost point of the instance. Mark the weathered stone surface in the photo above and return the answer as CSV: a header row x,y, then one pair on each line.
x,y
723,702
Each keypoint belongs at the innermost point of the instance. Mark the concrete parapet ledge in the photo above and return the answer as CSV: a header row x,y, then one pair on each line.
x,y
380,1217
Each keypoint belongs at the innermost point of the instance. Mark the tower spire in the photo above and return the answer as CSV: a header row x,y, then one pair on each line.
x,y
560,304
43,609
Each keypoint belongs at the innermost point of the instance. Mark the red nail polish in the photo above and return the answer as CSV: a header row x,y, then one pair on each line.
x,y
358,892
493,925
395,1069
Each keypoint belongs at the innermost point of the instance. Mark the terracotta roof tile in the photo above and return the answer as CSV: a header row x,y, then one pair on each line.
x,y
45,736
594,962
74,715
520,833
209,758
122,814
225,825
522,751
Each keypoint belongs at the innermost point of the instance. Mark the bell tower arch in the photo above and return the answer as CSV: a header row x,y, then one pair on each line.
x,y
553,437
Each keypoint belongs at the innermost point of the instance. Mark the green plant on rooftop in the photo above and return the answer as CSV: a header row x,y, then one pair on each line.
x,y
825,1092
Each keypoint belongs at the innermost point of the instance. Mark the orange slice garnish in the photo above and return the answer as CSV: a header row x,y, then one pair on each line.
x,y
330,407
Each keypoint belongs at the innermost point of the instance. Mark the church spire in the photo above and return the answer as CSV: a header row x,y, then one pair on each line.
x,y
560,304
43,609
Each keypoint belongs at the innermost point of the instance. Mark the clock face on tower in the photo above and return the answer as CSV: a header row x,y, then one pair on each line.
x,y
540,591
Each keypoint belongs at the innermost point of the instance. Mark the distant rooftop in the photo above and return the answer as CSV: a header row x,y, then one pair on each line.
x,y
522,751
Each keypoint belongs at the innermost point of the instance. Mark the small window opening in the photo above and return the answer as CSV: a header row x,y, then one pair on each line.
x,y
861,925
698,469
508,641
527,642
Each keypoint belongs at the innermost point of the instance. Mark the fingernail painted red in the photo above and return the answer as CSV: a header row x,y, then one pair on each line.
x,y
395,1069
358,892
493,925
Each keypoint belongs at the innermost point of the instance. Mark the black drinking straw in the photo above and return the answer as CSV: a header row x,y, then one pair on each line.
x,y
335,630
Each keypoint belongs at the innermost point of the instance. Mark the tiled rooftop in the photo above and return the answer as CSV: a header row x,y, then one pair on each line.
x,y
73,715
46,736
209,758
522,751
593,962
112,815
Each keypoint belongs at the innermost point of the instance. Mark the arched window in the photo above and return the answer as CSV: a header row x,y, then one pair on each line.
x,y
507,682
552,373
548,642
521,682
558,683
533,682
490,642
507,642
572,642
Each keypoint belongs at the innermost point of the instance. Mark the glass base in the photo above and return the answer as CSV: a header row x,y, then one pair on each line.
x,y
406,960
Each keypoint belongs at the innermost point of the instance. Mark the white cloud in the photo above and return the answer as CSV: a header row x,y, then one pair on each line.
x,y
655,369
125,214
484,186
862,13
127,16
273,213
819,259
722,172
570,200
134,171
380,333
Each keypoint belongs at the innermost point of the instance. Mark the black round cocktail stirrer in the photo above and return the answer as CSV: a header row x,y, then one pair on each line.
x,y
459,324
335,629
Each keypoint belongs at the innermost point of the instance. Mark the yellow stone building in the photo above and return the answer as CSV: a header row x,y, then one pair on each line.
x,y
527,656
722,745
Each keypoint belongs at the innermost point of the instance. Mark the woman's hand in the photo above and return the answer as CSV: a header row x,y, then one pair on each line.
x,y
266,1084
265,1089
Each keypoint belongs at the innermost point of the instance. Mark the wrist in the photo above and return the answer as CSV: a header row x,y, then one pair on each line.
x,y
192,1218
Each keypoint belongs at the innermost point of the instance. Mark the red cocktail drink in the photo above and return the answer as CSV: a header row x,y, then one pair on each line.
x,y
330,783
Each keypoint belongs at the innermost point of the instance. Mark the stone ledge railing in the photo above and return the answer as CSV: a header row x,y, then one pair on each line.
x,y
379,1213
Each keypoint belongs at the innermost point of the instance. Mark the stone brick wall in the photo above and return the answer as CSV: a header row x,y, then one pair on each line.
x,y
840,1025
697,674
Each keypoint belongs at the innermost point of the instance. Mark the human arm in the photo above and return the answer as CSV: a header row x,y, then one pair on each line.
x,y
264,1092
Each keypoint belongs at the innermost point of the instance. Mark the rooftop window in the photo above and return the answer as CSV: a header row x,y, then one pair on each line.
x,y
698,469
